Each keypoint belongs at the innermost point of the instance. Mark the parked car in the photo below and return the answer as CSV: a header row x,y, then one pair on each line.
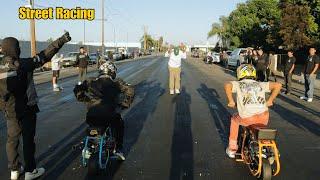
x,y
195,54
235,60
116,56
215,57
70,59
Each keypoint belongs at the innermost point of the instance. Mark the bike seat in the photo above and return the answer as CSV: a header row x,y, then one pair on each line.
x,y
96,131
261,132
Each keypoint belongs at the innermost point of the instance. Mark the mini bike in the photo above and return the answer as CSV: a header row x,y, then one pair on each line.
x,y
99,145
259,151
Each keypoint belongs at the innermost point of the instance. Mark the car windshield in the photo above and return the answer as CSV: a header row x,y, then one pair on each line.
x,y
72,54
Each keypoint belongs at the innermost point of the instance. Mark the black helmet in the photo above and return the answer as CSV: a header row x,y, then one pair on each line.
x,y
108,69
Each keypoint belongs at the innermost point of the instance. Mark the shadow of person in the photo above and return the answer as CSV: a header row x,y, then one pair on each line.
x,y
182,141
145,103
220,115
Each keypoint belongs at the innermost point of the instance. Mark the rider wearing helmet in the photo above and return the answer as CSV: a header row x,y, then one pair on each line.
x,y
252,104
103,96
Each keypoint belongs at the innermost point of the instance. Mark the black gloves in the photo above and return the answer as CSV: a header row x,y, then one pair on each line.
x,y
66,37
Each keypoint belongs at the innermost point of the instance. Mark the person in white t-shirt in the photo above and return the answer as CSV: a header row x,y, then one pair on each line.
x,y
55,65
252,104
175,56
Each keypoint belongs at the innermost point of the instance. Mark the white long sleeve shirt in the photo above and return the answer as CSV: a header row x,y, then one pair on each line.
x,y
175,60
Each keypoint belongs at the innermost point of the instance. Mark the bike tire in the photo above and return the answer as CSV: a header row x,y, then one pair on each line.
x,y
93,165
266,171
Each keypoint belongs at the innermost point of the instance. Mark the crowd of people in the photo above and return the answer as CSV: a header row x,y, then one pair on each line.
x,y
265,65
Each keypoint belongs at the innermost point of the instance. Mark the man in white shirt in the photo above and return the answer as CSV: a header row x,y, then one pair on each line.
x,y
55,65
175,56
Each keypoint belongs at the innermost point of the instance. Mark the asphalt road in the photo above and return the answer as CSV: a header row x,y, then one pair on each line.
x,y
172,137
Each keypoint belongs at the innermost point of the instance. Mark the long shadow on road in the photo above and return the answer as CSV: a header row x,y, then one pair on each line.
x,y
149,92
220,115
182,141
297,120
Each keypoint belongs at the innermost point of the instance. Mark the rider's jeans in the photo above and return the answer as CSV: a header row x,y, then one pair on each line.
x,y
236,121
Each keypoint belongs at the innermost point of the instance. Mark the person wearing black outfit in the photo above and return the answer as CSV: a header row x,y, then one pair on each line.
x,y
82,63
310,72
288,70
261,66
103,96
18,102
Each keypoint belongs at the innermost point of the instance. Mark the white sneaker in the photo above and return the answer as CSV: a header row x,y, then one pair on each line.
x,y
120,155
303,98
309,99
15,174
231,154
56,89
177,91
79,83
35,174
172,92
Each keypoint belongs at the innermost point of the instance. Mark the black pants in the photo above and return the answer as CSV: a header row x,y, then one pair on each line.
x,y
261,75
25,126
288,81
116,123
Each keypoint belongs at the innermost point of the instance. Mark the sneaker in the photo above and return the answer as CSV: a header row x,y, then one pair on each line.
x,y
15,174
303,98
56,89
79,83
172,92
231,154
309,99
177,91
120,155
34,174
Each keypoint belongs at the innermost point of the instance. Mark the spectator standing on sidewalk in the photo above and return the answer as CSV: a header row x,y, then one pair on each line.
x,y
82,63
175,56
288,70
261,65
310,73
55,66
271,69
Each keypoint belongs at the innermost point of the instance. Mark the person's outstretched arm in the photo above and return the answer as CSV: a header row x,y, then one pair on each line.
x,y
275,90
29,64
47,54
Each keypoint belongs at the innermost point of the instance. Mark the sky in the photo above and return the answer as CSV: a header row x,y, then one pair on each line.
x,y
177,21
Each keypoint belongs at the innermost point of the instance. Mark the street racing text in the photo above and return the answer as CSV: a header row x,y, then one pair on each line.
x,y
59,13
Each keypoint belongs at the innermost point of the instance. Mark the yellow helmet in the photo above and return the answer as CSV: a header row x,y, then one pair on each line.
x,y
246,71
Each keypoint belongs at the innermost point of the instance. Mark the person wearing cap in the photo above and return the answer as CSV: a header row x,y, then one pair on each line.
x,y
175,55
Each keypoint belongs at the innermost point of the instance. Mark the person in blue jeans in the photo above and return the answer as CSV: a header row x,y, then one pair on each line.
x,y
310,73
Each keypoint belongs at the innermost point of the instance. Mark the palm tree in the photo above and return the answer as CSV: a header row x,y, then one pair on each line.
x,y
221,30
150,42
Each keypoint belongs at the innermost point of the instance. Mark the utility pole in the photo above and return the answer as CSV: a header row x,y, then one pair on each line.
x,y
102,30
145,39
33,33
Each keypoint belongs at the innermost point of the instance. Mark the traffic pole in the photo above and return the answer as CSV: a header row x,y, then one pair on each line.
x,y
33,33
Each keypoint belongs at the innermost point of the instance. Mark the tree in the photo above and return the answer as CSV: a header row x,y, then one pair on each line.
x,y
297,26
222,31
160,43
255,22
150,41
50,40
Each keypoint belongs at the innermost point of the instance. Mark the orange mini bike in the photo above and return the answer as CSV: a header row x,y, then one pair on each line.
x,y
259,151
